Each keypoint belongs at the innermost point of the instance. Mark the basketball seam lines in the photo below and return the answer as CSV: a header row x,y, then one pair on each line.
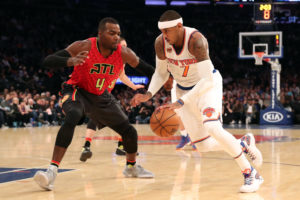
x,y
160,124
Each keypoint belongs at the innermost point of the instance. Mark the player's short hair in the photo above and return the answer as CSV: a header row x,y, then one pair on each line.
x,y
102,23
169,15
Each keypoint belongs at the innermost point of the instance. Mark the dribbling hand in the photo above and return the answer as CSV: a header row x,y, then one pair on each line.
x,y
79,59
171,106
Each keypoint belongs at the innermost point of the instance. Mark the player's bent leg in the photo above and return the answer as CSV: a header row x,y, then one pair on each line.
x,y
247,143
184,138
64,137
207,144
229,143
232,146
66,131
86,152
120,149
129,136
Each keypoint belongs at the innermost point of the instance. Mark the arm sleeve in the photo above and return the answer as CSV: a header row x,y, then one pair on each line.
x,y
145,68
205,83
159,77
57,60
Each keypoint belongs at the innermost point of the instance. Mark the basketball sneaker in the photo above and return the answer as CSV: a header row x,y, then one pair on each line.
x,y
194,147
46,179
248,145
85,154
120,150
137,171
184,140
252,181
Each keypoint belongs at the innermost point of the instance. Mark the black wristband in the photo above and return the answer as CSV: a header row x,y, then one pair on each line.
x,y
145,68
57,60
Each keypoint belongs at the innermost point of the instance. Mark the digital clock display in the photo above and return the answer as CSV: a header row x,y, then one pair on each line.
x,y
263,13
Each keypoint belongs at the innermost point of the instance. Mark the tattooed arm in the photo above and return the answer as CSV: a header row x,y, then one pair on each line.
x,y
198,46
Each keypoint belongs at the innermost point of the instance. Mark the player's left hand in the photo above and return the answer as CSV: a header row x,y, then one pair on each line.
x,y
136,87
171,106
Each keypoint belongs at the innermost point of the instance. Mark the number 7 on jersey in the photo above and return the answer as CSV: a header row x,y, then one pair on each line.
x,y
185,71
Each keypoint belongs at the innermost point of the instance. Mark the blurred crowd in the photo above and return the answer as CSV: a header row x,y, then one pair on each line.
x,y
30,31
20,109
25,109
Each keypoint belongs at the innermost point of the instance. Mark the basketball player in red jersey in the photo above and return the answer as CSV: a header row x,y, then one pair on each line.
x,y
97,62
91,126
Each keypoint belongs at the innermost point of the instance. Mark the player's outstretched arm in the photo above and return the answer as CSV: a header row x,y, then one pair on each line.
x,y
127,82
74,54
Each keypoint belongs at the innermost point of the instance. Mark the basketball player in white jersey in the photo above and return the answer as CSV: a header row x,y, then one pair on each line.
x,y
91,127
184,52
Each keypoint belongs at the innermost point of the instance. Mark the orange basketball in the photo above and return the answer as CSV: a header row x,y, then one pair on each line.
x,y
164,122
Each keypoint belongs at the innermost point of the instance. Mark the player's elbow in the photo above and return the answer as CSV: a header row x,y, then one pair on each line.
x,y
47,62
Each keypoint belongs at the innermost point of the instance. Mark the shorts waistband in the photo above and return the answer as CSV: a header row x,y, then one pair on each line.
x,y
191,87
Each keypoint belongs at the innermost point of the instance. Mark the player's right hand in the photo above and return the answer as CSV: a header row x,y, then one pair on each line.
x,y
139,98
79,59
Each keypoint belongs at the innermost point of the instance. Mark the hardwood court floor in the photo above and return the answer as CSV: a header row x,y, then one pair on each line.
x,y
179,175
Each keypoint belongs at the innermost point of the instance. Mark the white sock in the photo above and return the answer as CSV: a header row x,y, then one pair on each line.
x,y
243,162
183,133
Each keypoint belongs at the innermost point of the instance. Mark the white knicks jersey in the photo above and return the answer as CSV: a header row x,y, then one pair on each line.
x,y
183,66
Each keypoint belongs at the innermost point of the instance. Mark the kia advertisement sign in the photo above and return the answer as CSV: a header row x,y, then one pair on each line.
x,y
273,116
276,116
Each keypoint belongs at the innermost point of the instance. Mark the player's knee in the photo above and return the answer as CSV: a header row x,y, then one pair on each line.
x,y
74,115
214,128
66,131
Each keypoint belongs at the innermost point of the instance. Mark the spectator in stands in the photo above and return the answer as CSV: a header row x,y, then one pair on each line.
x,y
14,118
237,111
25,112
227,112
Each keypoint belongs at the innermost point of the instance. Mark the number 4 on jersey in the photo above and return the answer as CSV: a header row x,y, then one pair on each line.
x,y
100,83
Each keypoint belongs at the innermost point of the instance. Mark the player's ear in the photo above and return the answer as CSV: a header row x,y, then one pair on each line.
x,y
179,25
99,33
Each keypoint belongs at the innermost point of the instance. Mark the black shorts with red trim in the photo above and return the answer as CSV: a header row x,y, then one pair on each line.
x,y
104,110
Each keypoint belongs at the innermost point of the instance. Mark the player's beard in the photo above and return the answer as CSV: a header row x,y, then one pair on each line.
x,y
114,48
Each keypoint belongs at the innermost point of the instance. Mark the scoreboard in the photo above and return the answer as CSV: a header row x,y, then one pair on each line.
x,y
263,13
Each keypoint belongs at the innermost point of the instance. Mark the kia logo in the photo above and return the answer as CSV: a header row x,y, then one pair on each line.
x,y
273,116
